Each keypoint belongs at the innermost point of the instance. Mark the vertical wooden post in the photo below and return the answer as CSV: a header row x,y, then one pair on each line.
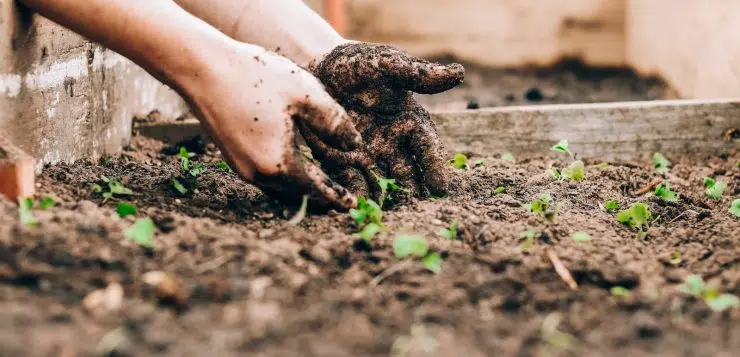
x,y
336,14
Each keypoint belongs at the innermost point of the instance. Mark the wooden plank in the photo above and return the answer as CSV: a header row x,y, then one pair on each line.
x,y
17,176
603,130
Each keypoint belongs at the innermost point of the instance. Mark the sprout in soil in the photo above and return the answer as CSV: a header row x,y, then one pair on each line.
x,y
661,165
414,246
638,216
675,258
735,208
142,233
222,165
459,161
187,181
479,163
25,213
451,232
581,237
695,286
113,188
562,146
714,189
370,230
664,191
388,188
500,189
576,171
542,206
367,211
301,214
126,209
611,205
619,291
46,203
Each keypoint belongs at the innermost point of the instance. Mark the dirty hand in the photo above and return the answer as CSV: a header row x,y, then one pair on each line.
x,y
374,83
249,100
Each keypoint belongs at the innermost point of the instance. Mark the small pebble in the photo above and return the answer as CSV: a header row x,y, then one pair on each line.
x,y
266,233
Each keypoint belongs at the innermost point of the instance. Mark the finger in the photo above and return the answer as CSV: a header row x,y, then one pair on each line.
x,y
421,76
425,145
331,156
401,168
328,119
354,180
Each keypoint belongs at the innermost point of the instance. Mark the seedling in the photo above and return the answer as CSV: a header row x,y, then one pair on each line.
x,y
576,171
142,233
413,246
367,212
581,237
301,214
620,291
611,205
185,157
661,165
735,208
479,163
224,166
664,191
562,146
25,213
714,189
500,189
388,188
694,285
113,188
638,216
450,233
675,258
507,156
370,230
527,239
46,203
542,206
126,209
459,161
187,181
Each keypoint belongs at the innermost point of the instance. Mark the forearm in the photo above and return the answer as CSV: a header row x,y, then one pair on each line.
x,y
288,27
158,35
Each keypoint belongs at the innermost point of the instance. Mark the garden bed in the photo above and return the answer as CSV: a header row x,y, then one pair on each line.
x,y
252,283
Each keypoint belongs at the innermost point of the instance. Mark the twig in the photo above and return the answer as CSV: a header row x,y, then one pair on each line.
x,y
395,268
647,188
214,264
681,215
561,269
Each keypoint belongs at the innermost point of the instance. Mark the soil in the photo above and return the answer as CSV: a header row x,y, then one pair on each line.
x,y
241,280
567,82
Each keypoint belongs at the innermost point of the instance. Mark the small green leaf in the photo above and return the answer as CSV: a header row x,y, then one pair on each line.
x,y
433,262
562,146
223,166
25,213
185,157
387,188
660,163
694,285
620,291
735,208
198,170
675,258
367,211
637,216
410,245
126,209
479,163
301,214
507,156
46,203
95,188
117,188
576,171
723,302
709,182
450,233
555,173
664,191
581,237
716,190
370,230
500,189
179,187
460,161
611,205
142,233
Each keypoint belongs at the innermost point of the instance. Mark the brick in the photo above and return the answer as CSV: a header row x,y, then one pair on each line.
x,y
17,176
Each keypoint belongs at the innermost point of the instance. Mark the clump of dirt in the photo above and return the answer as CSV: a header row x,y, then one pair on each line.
x,y
260,286
568,82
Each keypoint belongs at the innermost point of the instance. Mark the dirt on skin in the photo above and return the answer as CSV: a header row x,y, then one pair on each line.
x,y
259,286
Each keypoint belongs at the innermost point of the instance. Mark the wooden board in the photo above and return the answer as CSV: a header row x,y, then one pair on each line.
x,y
608,131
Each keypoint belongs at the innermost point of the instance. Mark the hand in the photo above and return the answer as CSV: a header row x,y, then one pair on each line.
x,y
374,83
249,99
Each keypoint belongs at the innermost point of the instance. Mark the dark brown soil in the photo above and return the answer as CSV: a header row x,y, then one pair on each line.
x,y
261,287
570,81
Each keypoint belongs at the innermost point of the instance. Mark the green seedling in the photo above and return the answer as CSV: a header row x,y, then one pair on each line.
x,y
222,165
611,205
562,146
370,230
46,203
367,211
581,237
542,206
714,189
388,188
451,232
735,208
638,216
555,173
694,286
187,181
619,291
675,258
107,161
414,246
301,214
25,212
459,161
142,233
576,171
185,157
661,165
664,191
500,189
507,156
113,188
528,238
126,209
479,163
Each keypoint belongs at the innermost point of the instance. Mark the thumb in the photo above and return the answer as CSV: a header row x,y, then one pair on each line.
x,y
424,77
328,119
